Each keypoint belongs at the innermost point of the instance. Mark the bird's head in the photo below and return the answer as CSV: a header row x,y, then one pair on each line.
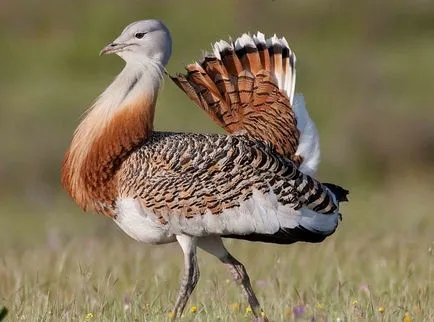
x,y
142,41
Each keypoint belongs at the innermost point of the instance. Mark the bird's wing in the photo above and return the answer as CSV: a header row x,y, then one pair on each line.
x,y
191,176
248,86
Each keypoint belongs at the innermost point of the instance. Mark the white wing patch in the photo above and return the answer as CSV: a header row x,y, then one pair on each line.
x,y
308,147
261,214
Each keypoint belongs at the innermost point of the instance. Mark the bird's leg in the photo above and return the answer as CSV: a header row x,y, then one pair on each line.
x,y
214,245
191,272
240,276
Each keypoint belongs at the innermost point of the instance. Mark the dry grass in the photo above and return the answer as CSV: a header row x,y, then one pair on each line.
x,y
380,258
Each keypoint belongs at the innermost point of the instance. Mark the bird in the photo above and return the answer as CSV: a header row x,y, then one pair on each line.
x,y
255,182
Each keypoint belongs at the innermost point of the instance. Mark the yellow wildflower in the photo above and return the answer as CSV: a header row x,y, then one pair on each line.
x,y
354,301
235,307
89,316
193,309
171,315
381,309
407,317
248,310
320,306
263,314
288,312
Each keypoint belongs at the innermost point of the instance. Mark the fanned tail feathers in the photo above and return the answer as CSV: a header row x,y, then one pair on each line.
x,y
248,86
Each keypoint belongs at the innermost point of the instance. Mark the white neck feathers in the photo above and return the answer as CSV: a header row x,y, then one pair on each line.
x,y
135,80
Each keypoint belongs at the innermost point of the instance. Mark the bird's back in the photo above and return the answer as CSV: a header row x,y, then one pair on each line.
x,y
230,185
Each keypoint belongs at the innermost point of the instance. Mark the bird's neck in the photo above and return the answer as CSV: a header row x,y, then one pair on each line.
x,y
119,121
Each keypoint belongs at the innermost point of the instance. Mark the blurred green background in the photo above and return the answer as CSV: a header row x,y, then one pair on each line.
x,y
365,68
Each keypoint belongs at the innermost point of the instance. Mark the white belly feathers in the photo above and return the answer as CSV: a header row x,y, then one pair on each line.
x,y
261,214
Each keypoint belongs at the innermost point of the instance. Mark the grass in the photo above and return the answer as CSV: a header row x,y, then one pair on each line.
x,y
379,266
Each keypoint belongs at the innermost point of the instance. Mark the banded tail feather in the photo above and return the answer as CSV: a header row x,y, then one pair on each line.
x,y
248,86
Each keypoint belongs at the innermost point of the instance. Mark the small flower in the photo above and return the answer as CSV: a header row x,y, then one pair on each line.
x,y
193,309
339,320
89,316
354,302
364,288
407,317
298,310
235,307
288,312
381,309
248,310
320,306
228,281
171,315
263,314
127,302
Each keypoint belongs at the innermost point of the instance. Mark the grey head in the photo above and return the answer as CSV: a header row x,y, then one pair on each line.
x,y
141,41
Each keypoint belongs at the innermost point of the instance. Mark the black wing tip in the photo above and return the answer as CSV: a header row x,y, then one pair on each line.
x,y
286,236
340,193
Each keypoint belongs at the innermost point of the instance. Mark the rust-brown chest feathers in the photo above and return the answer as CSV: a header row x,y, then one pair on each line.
x,y
100,145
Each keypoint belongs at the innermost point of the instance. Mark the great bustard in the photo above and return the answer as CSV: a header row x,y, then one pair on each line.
x,y
255,183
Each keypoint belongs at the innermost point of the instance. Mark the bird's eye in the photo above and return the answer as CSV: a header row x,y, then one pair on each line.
x,y
140,35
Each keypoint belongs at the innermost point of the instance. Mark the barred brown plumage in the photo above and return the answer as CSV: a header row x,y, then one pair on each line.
x,y
171,167
255,183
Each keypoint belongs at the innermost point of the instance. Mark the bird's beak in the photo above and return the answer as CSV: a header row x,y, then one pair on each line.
x,y
111,48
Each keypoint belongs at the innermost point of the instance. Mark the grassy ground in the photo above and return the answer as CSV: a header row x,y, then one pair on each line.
x,y
379,266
